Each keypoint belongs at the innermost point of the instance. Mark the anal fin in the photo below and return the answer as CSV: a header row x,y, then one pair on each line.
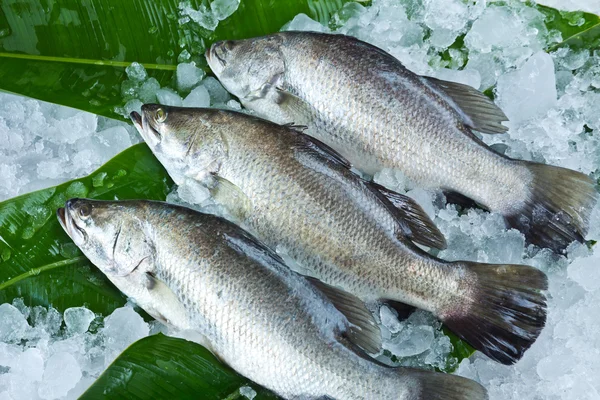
x,y
363,330
418,226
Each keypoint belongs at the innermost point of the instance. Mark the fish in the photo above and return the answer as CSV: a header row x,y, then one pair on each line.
x,y
364,103
200,272
301,198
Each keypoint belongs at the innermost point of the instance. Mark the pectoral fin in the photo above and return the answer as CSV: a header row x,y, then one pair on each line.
x,y
165,306
363,330
231,197
282,106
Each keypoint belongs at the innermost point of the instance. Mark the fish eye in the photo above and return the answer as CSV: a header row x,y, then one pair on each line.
x,y
161,115
85,211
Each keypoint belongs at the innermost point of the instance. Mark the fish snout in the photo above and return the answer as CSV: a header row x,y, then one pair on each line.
x,y
136,118
218,55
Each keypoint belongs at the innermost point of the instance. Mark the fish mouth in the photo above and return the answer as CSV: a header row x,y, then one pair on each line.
x,y
144,126
215,56
60,213
66,220
136,118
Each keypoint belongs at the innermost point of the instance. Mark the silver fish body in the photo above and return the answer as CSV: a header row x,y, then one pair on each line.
x,y
378,114
300,196
268,323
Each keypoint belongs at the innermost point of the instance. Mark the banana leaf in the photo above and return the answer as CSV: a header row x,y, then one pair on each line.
x,y
74,52
162,367
40,263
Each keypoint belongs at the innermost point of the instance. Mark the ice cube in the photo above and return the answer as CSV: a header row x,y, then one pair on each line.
x,y
202,16
147,92
198,97
188,75
136,72
389,319
168,97
13,324
248,392
30,365
411,341
530,91
61,374
222,9
218,94
123,327
133,105
303,22
48,319
78,319
234,105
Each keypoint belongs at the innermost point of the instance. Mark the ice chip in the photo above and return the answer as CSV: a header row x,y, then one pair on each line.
x,y
202,16
411,341
168,97
222,9
13,324
61,374
389,320
188,75
136,72
530,91
218,94
248,392
147,92
30,364
198,97
303,22
78,319
133,105
123,327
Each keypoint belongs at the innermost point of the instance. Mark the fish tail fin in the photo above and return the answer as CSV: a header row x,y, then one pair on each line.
x,y
503,311
558,208
440,386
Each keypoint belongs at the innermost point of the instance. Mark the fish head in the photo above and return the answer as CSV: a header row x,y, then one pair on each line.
x,y
111,234
248,67
187,141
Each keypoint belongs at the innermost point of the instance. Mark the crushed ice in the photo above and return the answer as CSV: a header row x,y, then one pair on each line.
x,y
552,101
48,355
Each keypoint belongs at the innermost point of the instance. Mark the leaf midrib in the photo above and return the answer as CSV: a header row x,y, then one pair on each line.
x,y
86,61
39,270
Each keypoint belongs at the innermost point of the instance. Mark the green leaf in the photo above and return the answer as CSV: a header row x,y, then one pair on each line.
x,y
74,52
40,263
578,29
161,367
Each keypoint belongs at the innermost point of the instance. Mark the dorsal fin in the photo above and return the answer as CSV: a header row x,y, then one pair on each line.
x,y
477,110
421,228
363,330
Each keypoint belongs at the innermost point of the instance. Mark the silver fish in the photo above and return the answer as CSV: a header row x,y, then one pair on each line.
x,y
299,196
364,103
200,272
